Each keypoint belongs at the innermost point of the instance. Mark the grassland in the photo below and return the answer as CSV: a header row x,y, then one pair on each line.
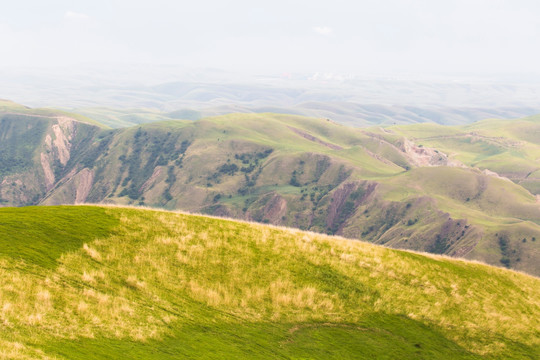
x,y
116,118
313,174
12,108
508,147
133,283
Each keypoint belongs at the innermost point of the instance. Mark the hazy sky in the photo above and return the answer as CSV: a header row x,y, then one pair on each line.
x,y
358,37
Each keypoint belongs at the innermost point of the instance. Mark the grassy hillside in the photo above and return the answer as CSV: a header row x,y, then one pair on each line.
x,y
11,108
312,174
116,118
123,282
511,148
343,112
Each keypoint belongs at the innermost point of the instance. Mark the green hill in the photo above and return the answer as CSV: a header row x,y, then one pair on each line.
x,y
511,148
108,283
11,108
389,186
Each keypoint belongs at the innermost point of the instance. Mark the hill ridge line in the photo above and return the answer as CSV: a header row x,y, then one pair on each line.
x,y
296,230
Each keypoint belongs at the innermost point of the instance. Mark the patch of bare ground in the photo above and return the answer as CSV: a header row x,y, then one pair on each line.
x,y
47,170
379,157
425,156
275,208
310,137
494,174
157,171
63,132
86,179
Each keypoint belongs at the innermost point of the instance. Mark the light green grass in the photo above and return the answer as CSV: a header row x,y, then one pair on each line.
x,y
10,107
162,285
120,118
508,147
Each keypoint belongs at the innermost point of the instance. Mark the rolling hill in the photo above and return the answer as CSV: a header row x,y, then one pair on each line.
x,y
343,112
10,108
396,186
131,95
509,148
112,282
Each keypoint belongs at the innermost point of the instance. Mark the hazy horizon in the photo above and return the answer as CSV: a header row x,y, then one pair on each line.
x,y
426,38
464,60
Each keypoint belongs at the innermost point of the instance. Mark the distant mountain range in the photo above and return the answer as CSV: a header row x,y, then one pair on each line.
x,y
130,96
467,191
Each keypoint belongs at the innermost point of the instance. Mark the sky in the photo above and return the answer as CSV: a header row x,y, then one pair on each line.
x,y
347,37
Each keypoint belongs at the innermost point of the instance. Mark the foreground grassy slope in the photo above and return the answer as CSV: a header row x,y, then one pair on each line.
x,y
156,285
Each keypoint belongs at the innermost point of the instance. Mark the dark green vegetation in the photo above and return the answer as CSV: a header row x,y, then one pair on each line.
x,y
390,337
158,285
30,235
420,187
21,137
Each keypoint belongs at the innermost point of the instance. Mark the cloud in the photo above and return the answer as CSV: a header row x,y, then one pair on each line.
x,y
323,30
72,15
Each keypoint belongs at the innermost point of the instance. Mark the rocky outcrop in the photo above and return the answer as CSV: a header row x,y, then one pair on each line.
x,y
419,155
63,134
56,151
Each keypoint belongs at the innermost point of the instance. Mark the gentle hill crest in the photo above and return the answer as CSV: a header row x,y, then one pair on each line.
x,y
8,107
156,284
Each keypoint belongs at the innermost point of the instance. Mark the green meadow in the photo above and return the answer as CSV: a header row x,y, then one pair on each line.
x,y
79,282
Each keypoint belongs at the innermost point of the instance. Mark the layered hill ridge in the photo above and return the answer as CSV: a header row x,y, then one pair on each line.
x,y
401,186
123,282
8,107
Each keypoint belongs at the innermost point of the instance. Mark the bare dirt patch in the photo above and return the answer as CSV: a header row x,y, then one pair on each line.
x,y
86,179
49,174
424,156
157,171
63,132
310,137
276,208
